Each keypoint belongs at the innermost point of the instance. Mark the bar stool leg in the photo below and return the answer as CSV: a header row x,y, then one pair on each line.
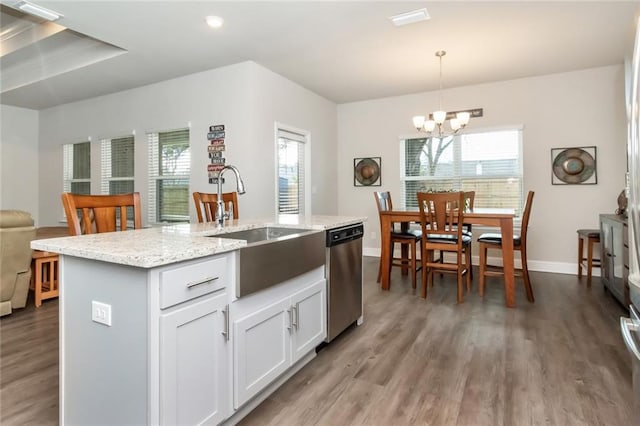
x,y
580,249
38,283
589,260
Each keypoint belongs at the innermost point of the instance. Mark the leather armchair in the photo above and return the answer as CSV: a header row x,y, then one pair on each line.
x,y
16,233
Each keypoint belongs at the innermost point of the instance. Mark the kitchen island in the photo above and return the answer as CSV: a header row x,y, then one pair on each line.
x,y
153,329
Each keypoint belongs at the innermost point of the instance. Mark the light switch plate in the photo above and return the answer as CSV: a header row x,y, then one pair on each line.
x,y
101,313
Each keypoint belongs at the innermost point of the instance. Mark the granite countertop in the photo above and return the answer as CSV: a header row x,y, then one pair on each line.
x,y
157,246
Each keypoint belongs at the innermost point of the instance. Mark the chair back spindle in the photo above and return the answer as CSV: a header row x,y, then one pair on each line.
x,y
441,213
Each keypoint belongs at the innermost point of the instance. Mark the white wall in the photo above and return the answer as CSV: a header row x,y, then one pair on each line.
x,y
583,108
275,98
19,160
573,109
246,98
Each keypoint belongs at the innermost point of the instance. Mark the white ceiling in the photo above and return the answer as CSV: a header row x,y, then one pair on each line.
x,y
344,51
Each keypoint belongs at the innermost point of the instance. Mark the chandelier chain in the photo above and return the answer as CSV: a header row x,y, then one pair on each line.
x,y
440,54
436,120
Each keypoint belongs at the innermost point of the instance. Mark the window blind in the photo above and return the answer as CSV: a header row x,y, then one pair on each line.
x,y
291,172
117,164
77,168
169,173
489,163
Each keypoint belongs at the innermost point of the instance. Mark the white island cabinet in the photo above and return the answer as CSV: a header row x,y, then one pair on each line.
x,y
194,350
194,363
162,360
276,329
153,331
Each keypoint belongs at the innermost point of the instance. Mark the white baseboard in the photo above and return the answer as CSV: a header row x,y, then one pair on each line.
x,y
534,265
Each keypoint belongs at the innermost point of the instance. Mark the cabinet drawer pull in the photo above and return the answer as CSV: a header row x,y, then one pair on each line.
x,y
204,281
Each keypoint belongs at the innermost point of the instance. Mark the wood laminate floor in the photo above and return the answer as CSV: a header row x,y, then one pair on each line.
x,y
29,365
560,361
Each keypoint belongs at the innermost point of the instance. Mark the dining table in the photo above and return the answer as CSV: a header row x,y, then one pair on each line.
x,y
494,217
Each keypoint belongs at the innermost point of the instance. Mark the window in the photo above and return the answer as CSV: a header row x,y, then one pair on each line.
x,y
489,163
169,170
118,165
291,185
77,168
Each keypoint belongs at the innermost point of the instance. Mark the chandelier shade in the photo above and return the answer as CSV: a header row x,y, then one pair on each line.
x,y
436,120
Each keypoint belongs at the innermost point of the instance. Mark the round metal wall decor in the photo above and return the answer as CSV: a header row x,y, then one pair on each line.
x,y
574,165
366,171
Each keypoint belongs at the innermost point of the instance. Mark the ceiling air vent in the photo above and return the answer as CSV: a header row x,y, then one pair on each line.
x,y
410,17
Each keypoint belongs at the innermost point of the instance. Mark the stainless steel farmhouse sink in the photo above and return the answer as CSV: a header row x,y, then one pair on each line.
x,y
262,234
274,255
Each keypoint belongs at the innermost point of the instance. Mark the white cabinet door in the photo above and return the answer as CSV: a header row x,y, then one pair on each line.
x,y
309,319
262,350
194,359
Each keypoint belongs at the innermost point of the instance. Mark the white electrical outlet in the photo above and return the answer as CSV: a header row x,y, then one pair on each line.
x,y
101,313
373,235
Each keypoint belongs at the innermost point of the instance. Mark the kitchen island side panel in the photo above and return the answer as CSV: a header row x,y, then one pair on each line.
x,y
104,372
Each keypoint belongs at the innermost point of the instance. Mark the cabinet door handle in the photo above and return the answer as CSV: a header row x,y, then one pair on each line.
x,y
296,311
204,281
290,320
294,316
226,333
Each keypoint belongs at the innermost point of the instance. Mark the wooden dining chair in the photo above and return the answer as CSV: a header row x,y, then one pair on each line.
x,y
494,241
208,202
441,219
91,214
409,238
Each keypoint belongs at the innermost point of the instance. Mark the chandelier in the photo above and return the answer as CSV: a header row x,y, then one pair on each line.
x,y
457,120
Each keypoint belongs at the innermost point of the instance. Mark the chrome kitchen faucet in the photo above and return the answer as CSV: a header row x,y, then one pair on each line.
x,y
220,213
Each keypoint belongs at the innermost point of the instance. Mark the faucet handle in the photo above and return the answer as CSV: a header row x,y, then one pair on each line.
x,y
230,211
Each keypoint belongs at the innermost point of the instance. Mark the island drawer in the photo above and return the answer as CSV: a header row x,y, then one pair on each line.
x,y
192,280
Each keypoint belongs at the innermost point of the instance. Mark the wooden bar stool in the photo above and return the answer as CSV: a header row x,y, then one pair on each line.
x,y
44,276
593,237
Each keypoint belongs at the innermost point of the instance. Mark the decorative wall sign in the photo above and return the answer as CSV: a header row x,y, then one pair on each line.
x,y
216,150
570,166
366,171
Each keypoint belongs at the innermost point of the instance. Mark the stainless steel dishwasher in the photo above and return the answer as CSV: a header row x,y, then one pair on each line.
x,y
344,278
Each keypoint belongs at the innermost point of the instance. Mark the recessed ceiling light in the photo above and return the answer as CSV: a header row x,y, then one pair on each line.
x,y
214,21
34,9
410,17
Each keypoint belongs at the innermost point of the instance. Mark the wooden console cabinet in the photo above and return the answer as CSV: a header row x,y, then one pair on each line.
x,y
614,240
